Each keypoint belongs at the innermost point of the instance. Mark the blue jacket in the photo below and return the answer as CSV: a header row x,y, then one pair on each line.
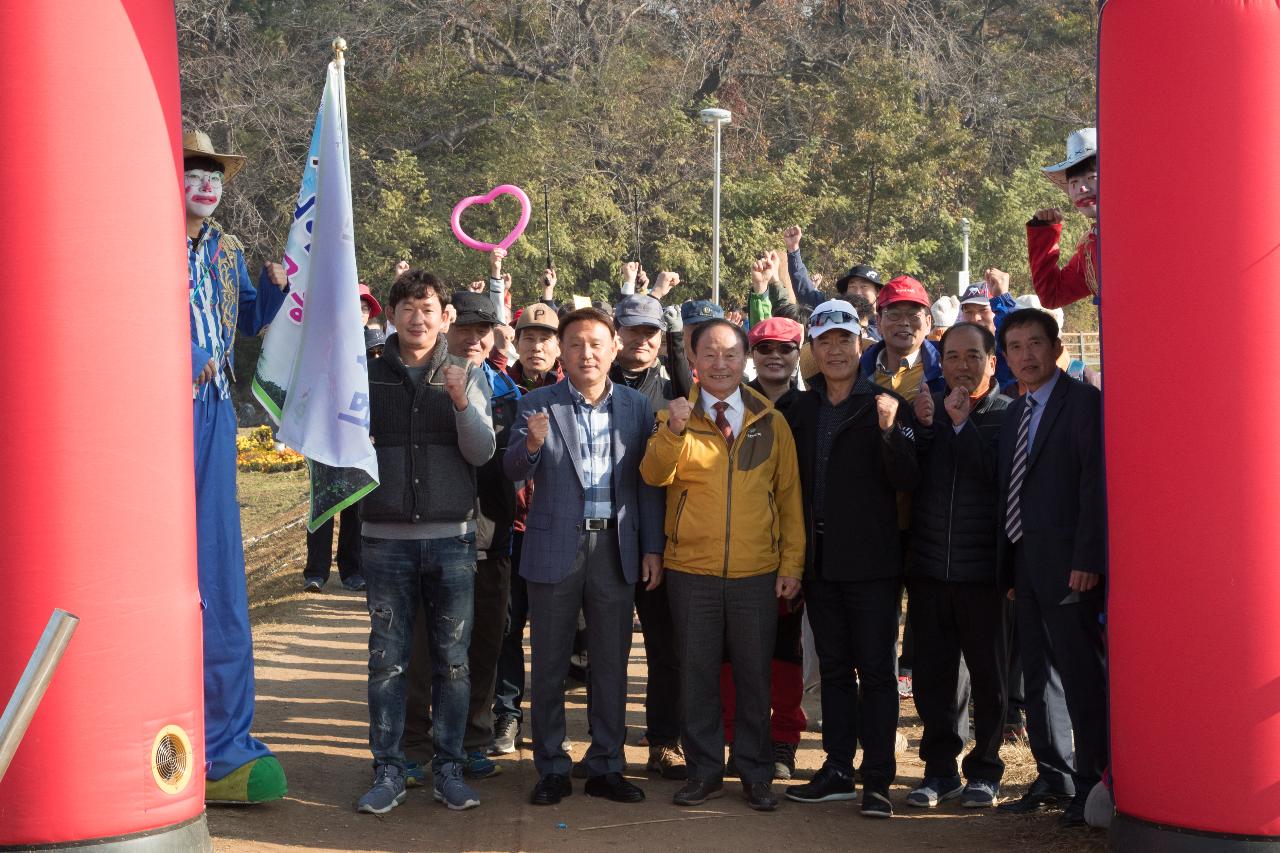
x,y
1002,306
807,292
553,529
928,353
235,303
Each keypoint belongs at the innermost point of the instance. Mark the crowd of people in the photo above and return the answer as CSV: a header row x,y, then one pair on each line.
x,y
735,480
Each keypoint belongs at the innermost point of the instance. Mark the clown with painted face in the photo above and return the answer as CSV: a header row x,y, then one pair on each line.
x,y
222,299
1077,176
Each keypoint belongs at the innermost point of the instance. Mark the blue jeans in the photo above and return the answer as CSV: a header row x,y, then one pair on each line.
x,y
403,574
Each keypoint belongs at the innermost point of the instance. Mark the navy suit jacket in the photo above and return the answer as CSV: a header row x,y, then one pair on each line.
x,y
553,528
1064,501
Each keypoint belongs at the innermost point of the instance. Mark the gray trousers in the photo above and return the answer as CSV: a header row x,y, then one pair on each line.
x,y
595,586
712,613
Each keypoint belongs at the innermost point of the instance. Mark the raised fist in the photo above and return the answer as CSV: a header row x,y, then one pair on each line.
x,y
455,383
997,281
957,405
1049,214
277,275
539,425
792,237
630,269
761,274
495,262
401,268
664,283
678,412
887,409
642,280
478,287
924,407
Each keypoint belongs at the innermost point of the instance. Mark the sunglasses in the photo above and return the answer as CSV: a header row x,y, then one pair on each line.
x,y
771,347
827,318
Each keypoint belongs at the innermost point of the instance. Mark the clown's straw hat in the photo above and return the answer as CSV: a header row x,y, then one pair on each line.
x,y
196,143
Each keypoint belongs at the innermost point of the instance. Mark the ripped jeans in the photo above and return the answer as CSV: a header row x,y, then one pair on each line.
x,y
403,575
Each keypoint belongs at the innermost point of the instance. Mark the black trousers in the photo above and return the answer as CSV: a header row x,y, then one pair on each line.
x,y
509,690
855,632
1066,640
950,620
320,547
662,689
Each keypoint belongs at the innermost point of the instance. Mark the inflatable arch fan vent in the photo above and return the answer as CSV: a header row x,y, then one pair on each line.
x,y
171,759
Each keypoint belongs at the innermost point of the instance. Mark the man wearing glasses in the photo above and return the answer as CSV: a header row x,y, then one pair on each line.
x,y
856,447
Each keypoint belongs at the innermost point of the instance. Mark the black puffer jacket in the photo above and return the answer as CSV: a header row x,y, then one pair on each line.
x,y
953,517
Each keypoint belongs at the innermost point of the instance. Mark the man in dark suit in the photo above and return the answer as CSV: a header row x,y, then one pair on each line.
x,y
594,529
1052,555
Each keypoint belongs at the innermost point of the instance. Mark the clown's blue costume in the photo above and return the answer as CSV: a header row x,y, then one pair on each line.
x,y
240,768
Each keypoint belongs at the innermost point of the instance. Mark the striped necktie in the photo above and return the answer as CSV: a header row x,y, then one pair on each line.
x,y
1013,513
723,423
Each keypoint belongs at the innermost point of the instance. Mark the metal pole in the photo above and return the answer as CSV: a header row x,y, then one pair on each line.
x,y
963,279
715,227
35,680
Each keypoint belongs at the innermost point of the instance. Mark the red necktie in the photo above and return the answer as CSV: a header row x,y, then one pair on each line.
x,y
723,423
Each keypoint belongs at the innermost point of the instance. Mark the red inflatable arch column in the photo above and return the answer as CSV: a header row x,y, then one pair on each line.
x,y
98,497
1189,140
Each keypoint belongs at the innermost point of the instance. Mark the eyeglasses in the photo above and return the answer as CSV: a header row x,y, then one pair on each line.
x,y
771,347
827,318
196,177
892,318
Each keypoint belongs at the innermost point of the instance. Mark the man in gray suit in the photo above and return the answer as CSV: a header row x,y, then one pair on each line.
x,y
594,529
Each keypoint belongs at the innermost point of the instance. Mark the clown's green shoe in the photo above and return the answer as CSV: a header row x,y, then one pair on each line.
x,y
260,781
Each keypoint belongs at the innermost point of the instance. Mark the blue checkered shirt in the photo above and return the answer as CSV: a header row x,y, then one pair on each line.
x,y
595,449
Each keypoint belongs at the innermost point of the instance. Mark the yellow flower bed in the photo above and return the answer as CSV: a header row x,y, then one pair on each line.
x,y
257,452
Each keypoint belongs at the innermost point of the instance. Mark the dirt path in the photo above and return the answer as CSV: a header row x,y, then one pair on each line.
x,y
311,710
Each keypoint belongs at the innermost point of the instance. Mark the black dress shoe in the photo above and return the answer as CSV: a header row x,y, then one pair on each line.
x,y
551,789
1039,796
1073,816
760,796
614,787
698,791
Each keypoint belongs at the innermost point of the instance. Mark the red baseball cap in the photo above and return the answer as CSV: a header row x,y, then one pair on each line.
x,y
776,329
367,295
904,288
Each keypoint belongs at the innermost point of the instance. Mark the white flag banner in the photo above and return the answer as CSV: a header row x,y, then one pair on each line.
x,y
311,376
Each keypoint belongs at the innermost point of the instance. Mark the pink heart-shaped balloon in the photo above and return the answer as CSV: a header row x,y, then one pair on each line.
x,y
505,189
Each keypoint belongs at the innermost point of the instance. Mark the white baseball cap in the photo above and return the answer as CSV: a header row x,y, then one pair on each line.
x,y
834,314
1030,300
945,311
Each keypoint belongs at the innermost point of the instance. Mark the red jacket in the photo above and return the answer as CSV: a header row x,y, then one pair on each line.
x,y
1056,287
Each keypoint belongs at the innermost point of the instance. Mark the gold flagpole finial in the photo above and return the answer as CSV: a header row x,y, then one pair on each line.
x,y
339,49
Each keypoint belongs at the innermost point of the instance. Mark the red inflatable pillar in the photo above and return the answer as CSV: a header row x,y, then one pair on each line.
x,y
98,497
1189,141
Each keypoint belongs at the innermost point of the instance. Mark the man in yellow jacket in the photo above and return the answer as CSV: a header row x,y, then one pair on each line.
x,y
735,544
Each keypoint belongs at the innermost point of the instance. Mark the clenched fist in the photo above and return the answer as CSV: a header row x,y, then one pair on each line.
x,y
887,409
402,267
630,270
761,274
924,407
276,273
792,237
664,283
678,412
1049,214
455,383
539,425
495,262
957,405
997,281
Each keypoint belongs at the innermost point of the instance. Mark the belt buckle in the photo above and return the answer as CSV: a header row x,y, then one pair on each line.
x,y
596,523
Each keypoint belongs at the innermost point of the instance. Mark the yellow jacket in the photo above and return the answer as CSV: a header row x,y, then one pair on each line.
x,y
734,519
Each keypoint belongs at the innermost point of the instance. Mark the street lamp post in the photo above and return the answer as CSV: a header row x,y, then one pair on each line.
x,y
716,117
964,265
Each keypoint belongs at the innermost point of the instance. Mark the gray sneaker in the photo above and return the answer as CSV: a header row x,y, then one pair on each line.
x,y
452,791
979,794
387,791
505,731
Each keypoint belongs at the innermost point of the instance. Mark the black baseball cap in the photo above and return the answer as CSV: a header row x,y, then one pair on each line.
x,y
859,271
474,308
